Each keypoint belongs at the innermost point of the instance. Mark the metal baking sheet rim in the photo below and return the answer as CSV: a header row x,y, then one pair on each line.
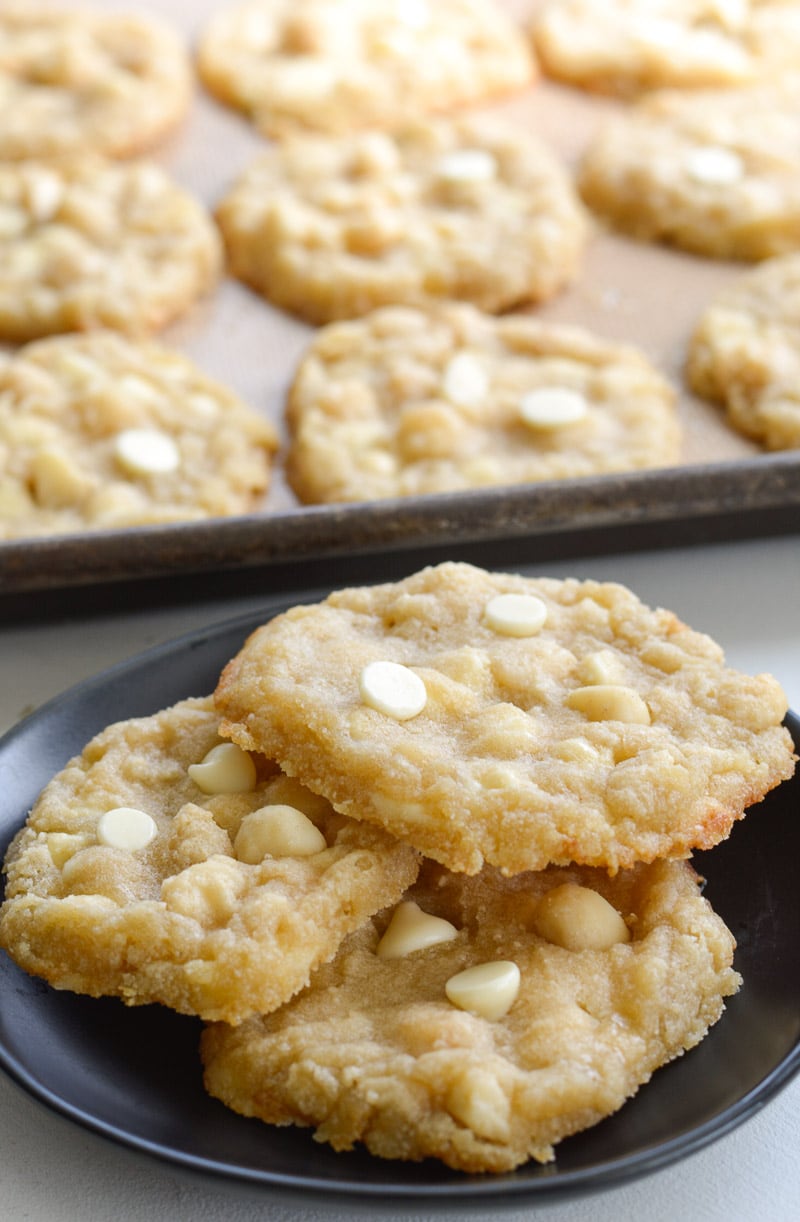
x,y
585,509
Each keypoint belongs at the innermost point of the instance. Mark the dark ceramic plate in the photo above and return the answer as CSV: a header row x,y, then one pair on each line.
x,y
133,1075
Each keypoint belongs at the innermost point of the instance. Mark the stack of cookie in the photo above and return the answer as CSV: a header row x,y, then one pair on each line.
x,y
421,862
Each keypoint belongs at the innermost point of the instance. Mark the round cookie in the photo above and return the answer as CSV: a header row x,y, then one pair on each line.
x,y
585,986
149,872
745,353
714,172
98,432
340,65
113,83
566,723
470,209
90,243
625,47
407,401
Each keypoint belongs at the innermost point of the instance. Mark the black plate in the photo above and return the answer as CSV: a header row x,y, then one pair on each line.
x,y
133,1075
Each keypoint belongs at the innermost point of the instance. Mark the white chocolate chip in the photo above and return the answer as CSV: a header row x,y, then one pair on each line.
x,y
477,1100
602,666
146,452
277,831
552,407
126,827
714,166
412,929
609,702
488,989
578,918
515,614
467,165
45,191
392,689
465,381
226,768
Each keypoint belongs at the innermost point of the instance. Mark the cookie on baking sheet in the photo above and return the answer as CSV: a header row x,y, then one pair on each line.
x,y
115,83
98,432
745,353
518,721
714,172
484,1019
161,865
625,47
471,209
409,401
88,243
341,65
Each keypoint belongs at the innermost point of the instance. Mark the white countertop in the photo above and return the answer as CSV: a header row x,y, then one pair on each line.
x,y
745,595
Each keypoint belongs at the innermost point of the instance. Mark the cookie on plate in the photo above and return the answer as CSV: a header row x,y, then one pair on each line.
x,y
408,401
89,243
745,353
161,865
98,431
714,172
625,47
471,209
340,65
114,83
517,721
484,1019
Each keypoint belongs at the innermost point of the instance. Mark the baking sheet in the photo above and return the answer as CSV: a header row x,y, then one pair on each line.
x,y
639,294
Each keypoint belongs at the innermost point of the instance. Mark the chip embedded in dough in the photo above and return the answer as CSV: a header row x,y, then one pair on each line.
x,y
714,172
609,733
471,209
374,1051
86,242
99,432
408,401
625,47
208,915
112,83
340,65
745,353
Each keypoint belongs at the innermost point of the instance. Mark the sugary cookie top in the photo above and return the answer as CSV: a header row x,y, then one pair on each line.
x,y
714,173
113,83
90,243
407,401
482,1020
339,65
472,209
100,432
164,865
624,47
745,352
597,730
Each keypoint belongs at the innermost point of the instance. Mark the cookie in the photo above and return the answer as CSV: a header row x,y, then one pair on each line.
x,y
489,717
161,865
91,243
114,83
409,401
485,1019
341,65
625,47
471,209
715,172
98,432
745,353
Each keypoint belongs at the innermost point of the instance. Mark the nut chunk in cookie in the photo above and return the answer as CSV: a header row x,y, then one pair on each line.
x,y
485,1019
407,401
340,65
100,432
163,865
745,353
557,721
469,209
